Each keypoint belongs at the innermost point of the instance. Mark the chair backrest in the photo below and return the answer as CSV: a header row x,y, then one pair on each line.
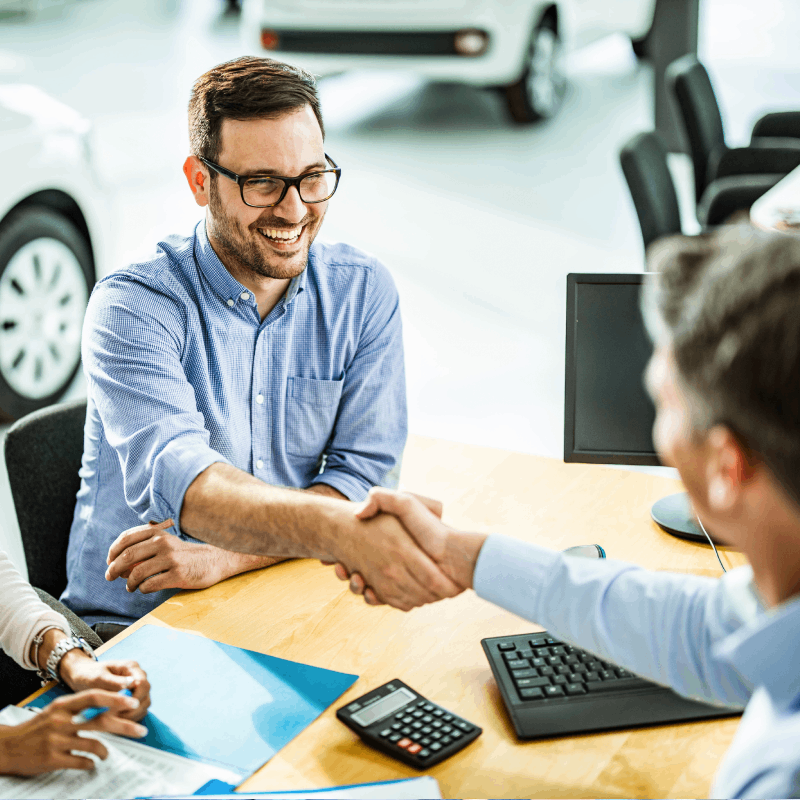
x,y
644,164
43,454
735,194
690,86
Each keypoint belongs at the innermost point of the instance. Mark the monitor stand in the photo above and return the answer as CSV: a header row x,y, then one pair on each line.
x,y
674,513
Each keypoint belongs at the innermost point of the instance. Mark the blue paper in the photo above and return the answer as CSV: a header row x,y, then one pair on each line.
x,y
222,704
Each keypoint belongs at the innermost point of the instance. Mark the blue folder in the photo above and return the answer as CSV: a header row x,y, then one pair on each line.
x,y
221,704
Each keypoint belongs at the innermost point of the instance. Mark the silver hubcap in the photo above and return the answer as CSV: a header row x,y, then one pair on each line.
x,y
43,300
545,72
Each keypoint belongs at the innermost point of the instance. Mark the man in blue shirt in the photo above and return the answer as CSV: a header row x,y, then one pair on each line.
x,y
240,359
725,378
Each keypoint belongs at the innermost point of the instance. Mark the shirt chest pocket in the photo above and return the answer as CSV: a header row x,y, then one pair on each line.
x,y
311,407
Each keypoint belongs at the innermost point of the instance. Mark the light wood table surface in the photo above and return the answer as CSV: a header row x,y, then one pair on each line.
x,y
299,610
779,208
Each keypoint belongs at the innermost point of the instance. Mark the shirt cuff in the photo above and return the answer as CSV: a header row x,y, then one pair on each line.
x,y
351,487
178,464
512,574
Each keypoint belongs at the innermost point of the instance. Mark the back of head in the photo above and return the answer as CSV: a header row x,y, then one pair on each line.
x,y
246,88
728,306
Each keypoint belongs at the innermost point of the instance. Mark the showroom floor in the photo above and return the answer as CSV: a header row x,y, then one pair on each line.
x,y
479,221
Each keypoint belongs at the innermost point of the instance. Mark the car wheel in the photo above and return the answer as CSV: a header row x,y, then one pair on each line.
x,y
539,91
46,275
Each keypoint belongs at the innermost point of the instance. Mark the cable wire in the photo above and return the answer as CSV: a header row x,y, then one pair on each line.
x,y
702,528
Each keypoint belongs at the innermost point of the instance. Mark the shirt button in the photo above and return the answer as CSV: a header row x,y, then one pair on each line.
x,y
259,398
244,296
259,464
230,302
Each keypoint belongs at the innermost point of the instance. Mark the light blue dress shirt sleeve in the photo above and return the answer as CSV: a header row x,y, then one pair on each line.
x,y
659,625
133,341
372,416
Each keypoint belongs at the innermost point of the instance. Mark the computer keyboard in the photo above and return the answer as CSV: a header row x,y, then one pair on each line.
x,y
551,688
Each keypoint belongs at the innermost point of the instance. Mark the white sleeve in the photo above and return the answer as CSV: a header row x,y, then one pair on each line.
x,y
22,614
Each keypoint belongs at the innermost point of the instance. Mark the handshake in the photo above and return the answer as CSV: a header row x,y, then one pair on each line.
x,y
403,555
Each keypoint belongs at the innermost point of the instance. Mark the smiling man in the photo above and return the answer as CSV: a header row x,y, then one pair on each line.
x,y
239,359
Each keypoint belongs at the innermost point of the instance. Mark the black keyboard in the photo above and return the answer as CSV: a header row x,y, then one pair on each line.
x,y
551,688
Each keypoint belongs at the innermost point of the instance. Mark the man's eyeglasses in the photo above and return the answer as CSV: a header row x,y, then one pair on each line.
x,y
264,191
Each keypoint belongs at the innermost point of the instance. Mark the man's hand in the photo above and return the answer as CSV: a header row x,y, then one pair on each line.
x,y
151,560
45,743
454,552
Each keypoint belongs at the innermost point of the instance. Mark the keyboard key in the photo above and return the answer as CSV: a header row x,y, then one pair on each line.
x,y
416,725
578,677
557,651
423,753
407,730
417,714
592,676
561,680
428,707
618,685
538,662
400,715
465,726
387,732
427,718
547,672
572,660
520,663
438,712
506,646
608,675
456,734
541,652
551,640
436,724
435,747
447,718
405,743
527,673
593,666
623,673
511,656
554,691
436,736
445,741
447,729
397,726
407,719
395,737
414,749
575,688
427,729
530,683
580,668
531,694
554,661
525,653
426,741
563,669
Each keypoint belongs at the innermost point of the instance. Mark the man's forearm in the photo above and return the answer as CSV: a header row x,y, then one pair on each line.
x,y
231,509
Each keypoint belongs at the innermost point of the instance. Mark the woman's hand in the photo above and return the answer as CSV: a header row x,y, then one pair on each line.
x,y
45,743
80,672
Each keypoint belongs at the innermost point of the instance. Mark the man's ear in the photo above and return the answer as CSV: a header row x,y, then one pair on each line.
x,y
198,179
729,468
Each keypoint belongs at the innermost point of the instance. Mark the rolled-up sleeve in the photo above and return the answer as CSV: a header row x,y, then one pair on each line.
x,y
133,344
659,625
371,426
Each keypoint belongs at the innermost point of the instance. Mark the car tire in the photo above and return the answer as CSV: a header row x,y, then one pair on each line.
x,y
539,91
46,275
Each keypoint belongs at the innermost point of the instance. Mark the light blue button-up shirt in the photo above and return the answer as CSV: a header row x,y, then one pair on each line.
x,y
712,640
181,373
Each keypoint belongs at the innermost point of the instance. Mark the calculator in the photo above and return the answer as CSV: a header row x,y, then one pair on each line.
x,y
405,725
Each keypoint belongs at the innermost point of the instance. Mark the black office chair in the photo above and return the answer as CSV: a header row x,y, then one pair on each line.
x,y
43,454
774,146
644,164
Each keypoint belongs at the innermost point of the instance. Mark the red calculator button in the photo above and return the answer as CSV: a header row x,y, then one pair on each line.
x,y
414,749
404,742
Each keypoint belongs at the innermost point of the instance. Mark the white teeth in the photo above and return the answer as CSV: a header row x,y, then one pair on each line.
x,y
273,233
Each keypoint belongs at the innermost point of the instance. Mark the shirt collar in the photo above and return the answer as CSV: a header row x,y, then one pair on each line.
x,y
764,651
223,283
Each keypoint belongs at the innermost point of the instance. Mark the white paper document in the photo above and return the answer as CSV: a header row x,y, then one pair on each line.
x,y
131,770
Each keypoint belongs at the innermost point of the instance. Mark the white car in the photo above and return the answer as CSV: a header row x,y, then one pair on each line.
x,y
50,222
513,44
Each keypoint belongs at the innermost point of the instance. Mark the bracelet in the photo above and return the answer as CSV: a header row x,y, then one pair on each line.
x,y
37,643
50,672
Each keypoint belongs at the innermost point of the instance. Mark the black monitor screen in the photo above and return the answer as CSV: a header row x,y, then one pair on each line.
x,y
608,415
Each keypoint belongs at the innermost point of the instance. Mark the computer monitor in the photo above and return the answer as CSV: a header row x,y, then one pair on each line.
x,y
608,415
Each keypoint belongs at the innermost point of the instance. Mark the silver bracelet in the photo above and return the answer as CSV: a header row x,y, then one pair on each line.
x,y
50,672
37,643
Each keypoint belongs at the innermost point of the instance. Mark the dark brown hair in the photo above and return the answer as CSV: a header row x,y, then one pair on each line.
x,y
245,88
728,305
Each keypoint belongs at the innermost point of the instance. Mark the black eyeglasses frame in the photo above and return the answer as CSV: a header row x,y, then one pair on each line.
x,y
287,182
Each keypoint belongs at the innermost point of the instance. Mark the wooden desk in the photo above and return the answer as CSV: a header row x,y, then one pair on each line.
x,y
298,610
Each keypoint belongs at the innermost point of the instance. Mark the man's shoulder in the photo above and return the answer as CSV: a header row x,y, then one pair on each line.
x,y
166,270
339,261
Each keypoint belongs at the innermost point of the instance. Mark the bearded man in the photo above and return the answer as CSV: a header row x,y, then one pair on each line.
x,y
240,359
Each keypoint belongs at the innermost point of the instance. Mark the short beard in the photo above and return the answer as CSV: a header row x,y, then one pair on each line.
x,y
237,250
